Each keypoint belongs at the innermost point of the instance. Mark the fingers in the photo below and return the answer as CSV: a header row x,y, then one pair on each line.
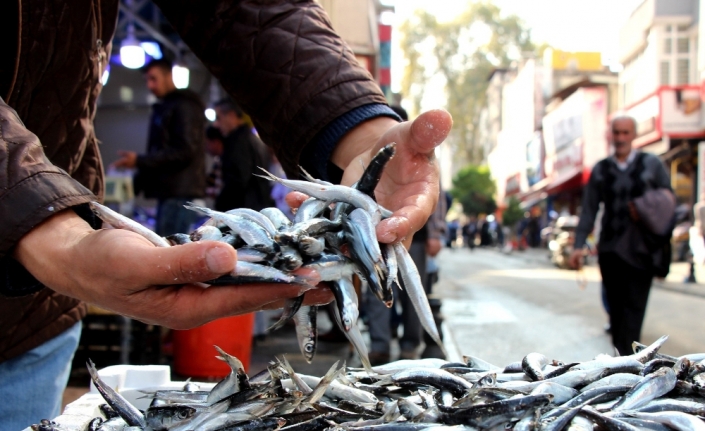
x,y
423,134
295,199
193,262
318,296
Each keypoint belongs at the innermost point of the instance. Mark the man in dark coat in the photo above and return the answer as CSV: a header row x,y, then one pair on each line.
x,y
243,154
173,170
626,263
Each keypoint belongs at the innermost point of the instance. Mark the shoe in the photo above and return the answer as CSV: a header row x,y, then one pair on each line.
x,y
378,358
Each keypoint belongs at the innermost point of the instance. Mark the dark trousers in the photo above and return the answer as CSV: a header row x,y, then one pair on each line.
x,y
173,218
627,291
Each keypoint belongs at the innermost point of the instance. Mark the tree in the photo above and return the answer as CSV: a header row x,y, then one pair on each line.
x,y
466,50
513,213
475,190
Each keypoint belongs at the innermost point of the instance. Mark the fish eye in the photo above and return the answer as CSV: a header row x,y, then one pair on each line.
x,y
309,348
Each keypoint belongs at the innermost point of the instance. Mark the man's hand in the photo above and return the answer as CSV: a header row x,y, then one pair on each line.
x,y
576,259
121,271
433,246
127,160
633,213
410,183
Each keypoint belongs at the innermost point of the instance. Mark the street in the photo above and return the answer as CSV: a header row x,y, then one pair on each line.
x,y
500,307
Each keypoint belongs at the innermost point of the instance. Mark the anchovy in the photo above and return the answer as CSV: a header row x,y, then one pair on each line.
x,y
245,254
332,193
300,383
346,301
646,354
311,246
309,177
532,365
613,380
310,208
306,331
414,289
480,364
291,307
119,221
491,414
561,394
332,267
371,176
675,405
654,385
178,239
655,364
255,216
233,383
626,364
369,268
277,217
312,227
289,259
593,396
676,420
432,377
355,337
606,422
206,233
127,411
252,233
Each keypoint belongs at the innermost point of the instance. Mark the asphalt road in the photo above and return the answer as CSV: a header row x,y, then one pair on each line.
x,y
500,307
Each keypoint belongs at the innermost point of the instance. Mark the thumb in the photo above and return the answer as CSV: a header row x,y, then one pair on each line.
x,y
188,263
423,134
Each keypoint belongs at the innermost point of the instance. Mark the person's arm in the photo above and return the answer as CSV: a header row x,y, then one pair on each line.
x,y
31,191
185,135
662,178
590,206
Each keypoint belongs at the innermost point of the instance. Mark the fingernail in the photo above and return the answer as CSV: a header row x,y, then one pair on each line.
x,y
219,260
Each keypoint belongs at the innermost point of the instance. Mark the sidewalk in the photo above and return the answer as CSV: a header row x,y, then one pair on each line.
x,y
674,281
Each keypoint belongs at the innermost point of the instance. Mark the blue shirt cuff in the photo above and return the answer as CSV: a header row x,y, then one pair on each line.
x,y
324,143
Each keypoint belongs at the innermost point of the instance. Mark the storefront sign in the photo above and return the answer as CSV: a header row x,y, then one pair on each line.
x,y
680,111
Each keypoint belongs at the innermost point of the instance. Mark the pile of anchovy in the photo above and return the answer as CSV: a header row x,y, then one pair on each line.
x,y
333,233
646,390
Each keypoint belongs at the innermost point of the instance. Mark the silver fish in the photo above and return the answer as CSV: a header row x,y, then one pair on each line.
x,y
648,353
414,288
310,208
614,380
560,393
532,365
206,233
390,260
332,193
119,221
127,411
346,301
654,385
255,216
250,255
676,420
355,337
277,217
306,330
232,383
311,246
250,232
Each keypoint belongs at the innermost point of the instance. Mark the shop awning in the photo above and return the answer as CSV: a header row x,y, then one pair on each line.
x,y
535,194
569,181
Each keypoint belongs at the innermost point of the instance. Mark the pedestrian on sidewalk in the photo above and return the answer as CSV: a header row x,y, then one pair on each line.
x,y
630,253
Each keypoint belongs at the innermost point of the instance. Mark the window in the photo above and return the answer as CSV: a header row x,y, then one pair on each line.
x,y
683,45
665,73
668,28
683,28
683,71
667,43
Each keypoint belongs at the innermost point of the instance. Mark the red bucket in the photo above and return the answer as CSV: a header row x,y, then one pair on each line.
x,y
194,354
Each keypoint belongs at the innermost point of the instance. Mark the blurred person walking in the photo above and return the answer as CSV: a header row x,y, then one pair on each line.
x,y
214,147
173,169
243,154
631,252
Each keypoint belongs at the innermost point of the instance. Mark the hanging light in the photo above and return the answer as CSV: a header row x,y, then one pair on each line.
x,y
131,53
180,75
210,114
152,49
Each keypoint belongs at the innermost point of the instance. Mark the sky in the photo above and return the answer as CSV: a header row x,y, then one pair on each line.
x,y
569,25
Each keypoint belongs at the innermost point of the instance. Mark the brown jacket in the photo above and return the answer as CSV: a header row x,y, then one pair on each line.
x,y
279,59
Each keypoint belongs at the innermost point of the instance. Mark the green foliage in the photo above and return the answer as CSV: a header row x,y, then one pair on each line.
x,y
513,213
466,50
474,189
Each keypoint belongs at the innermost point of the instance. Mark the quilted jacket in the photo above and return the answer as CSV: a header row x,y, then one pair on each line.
x,y
279,59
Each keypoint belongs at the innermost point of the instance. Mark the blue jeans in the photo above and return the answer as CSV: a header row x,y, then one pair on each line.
x,y
173,218
32,384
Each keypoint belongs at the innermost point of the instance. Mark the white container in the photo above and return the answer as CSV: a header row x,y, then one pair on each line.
x,y
129,381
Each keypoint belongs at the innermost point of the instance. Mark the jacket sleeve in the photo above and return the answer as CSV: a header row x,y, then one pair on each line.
x,y
590,206
184,140
31,188
281,61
